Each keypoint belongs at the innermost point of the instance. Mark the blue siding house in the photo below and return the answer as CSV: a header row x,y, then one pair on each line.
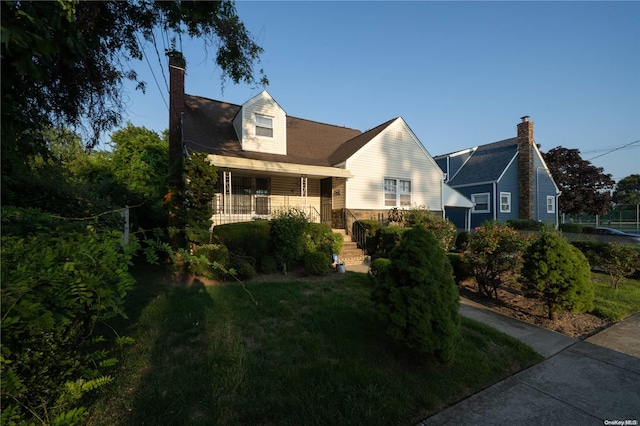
x,y
505,180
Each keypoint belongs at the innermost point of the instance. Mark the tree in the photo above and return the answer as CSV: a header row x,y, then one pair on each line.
x,y
559,273
140,163
627,190
63,62
585,188
416,296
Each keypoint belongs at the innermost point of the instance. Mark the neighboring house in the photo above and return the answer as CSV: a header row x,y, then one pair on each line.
x,y
505,180
268,160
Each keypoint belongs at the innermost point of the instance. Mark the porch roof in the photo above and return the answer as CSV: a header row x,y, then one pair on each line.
x,y
274,167
453,198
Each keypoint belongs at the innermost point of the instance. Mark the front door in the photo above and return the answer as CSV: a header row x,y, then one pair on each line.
x,y
325,200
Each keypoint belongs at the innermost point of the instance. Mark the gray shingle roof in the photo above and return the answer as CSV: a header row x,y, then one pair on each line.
x,y
208,127
487,163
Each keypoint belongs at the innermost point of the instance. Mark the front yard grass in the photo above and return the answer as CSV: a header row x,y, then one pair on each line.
x,y
308,353
615,304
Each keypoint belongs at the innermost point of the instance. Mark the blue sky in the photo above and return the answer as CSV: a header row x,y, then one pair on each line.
x,y
460,73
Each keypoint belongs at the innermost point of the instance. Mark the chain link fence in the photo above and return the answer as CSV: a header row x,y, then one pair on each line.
x,y
625,217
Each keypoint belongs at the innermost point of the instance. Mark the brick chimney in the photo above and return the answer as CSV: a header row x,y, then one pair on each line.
x,y
525,169
176,108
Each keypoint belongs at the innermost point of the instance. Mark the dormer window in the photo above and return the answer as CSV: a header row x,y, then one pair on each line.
x,y
264,126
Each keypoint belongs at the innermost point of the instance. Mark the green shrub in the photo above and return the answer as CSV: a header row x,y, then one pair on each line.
x,y
462,271
617,260
214,253
525,224
287,238
388,238
444,230
244,269
320,237
572,228
317,263
462,241
416,296
592,250
559,273
494,250
55,288
268,265
378,265
372,227
245,238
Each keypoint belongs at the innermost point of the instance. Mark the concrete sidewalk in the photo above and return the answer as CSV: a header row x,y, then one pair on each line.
x,y
580,383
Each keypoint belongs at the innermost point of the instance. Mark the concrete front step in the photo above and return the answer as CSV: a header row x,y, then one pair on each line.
x,y
350,253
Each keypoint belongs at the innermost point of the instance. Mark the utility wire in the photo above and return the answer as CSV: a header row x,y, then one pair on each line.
x,y
144,53
614,149
155,44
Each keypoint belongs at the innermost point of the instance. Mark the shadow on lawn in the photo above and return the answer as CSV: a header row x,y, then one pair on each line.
x,y
172,386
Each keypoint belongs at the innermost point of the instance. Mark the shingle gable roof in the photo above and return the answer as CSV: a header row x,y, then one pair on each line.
x,y
350,147
487,163
208,127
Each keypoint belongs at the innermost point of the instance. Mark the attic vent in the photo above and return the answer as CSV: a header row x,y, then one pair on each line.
x,y
399,135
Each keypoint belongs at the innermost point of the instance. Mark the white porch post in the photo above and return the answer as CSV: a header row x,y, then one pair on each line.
x,y
303,191
227,192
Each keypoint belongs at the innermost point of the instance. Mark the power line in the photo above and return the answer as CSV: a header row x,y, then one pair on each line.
x,y
614,149
144,53
153,36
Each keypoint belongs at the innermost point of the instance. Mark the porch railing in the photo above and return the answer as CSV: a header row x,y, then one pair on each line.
x,y
219,217
354,228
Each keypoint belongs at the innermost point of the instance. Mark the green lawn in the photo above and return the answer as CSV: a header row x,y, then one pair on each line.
x,y
615,304
307,353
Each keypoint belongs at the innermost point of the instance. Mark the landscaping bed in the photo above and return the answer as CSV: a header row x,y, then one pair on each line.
x,y
534,311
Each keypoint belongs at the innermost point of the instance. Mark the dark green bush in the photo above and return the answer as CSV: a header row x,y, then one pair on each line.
x,y
288,236
462,241
372,227
416,296
268,265
559,273
320,237
317,263
55,288
525,224
388,238
243,267
589,230
572,228
378,265
592,250
245,238
214,253
462,271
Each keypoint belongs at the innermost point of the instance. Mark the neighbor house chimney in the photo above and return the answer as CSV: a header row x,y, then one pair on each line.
x,y
176,108
525,169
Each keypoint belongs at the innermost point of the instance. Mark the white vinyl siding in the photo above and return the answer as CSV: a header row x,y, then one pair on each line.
x,y
264,125
480,203
388,157
505,202
551,204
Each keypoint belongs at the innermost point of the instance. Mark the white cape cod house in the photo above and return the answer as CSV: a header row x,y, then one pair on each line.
x,y
268,160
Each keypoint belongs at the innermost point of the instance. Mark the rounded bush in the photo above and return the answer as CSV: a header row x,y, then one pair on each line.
x,y
461,269
244,269
268,265
417,297
559,273
213,253
462,241
317,263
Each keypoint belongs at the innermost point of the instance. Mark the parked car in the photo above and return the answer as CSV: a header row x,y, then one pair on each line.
x,y
616,233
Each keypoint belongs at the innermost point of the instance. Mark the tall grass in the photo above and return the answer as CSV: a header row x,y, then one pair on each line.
x,y
308,353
